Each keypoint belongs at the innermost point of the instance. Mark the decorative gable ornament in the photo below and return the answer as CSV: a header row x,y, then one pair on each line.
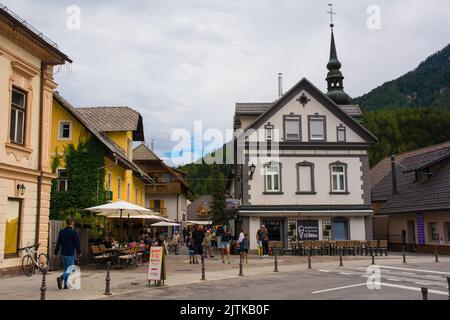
x,y
303,100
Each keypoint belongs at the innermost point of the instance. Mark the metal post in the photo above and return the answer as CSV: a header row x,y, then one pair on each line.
x,y
241,264
276,260
403,253
108,279
436,254
373,257
340,258
309,258
424,293
43,285
203,267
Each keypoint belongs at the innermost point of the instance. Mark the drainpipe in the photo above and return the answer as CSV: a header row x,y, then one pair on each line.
x,y
41,125
394,176
104,167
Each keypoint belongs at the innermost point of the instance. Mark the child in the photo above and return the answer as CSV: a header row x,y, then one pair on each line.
x,y
245,245
192,256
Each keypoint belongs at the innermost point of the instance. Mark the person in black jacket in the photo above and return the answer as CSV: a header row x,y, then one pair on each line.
x,y
68,243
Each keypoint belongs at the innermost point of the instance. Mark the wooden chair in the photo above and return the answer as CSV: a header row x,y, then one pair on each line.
x,y
332,244
100,257
371,247
307,246
350,247
383,246
340,247
358,247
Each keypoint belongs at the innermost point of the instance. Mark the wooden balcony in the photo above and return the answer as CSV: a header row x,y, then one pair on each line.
x,y
164,188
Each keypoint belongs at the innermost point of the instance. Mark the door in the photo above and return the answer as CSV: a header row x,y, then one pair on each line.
x,y
12,230
274,229
339,229
411,236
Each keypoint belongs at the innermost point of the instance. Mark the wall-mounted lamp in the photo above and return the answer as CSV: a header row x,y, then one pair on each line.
x,y
252,171
21,189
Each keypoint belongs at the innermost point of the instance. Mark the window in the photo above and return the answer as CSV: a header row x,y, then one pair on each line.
x,y
65,130
434,231
166,177
292,128
128,192
12,231
273,177
339,229
18,110
317,128
269,132
338,178
341,134
63,181
305,177
448,230
119,187
109,182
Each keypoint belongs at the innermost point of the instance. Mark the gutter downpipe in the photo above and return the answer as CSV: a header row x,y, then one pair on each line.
x,y
41,125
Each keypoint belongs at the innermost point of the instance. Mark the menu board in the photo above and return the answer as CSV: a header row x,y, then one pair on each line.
x,y
308,229
155,264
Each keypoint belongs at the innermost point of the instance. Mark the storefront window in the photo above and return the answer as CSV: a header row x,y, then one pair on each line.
x,y
292,232
273,229
12,227
434,231
326,229
448,231
340,229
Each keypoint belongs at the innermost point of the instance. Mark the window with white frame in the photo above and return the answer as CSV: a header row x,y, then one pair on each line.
x,y
273,177
338,177
434,231
65,130
317,128
63,180
292,128
341,134
17,121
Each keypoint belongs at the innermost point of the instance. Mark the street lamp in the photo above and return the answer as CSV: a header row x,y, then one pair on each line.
x,y
21,189
252,171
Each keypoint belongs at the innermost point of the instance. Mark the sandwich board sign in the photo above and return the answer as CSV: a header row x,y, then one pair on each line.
x,y
156,266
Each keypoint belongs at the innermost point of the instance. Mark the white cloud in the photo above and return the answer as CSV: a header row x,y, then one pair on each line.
x,y
178,61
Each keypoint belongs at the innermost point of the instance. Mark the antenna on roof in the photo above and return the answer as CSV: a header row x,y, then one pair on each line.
x,y
280,85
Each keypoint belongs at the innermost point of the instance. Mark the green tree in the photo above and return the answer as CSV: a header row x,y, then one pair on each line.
x,y
218,205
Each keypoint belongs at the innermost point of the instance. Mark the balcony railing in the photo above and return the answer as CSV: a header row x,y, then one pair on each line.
x,y
162,211
159,188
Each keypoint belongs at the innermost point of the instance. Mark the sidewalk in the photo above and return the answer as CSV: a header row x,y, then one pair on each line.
x,y
180,272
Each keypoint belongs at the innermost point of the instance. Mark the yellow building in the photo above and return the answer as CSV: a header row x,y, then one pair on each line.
x,y
114,127
27,59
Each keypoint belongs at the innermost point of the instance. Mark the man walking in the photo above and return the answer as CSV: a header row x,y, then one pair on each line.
x,y
198,235
67,242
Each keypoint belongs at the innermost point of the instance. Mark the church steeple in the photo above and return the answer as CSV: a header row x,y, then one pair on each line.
x,y
335,79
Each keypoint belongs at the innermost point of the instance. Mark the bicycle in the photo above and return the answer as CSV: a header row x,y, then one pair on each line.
x,y
32,261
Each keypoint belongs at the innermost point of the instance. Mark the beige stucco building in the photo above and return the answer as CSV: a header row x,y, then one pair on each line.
x,y
27,59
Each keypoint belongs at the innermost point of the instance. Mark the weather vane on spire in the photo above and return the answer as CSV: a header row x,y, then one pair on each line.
x,y
331,12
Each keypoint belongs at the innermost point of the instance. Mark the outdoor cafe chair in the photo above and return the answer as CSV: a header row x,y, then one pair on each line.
x,y
383,246
100,257
340,247
371,246
307,246
350,247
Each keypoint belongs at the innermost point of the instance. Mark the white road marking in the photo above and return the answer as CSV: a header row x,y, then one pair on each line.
x,y
325,270
340,288
345,273
417,270
382,284
422,283
392,279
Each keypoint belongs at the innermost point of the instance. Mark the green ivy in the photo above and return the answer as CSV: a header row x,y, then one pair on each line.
x,y
82,163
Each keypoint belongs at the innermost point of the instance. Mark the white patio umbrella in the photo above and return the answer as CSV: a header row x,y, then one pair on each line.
x,y
165,224
121,208
201,223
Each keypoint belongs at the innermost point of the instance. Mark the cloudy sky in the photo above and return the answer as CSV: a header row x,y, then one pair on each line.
x,y
178,61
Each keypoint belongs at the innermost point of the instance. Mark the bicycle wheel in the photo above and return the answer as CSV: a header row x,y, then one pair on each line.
x,y
28,265
42,262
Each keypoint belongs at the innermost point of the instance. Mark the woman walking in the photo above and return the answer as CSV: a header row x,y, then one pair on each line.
x,y
225,245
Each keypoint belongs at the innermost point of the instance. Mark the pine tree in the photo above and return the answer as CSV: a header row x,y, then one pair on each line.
x,y
218,205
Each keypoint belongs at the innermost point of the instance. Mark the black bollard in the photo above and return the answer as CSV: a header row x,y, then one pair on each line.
x,y
241,264
309,258
404,254
203,268
276,260
424,293
436,254
108,279
373,257
43,285
340,258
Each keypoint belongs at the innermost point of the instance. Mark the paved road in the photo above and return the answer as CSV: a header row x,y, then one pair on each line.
x,y
349,283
